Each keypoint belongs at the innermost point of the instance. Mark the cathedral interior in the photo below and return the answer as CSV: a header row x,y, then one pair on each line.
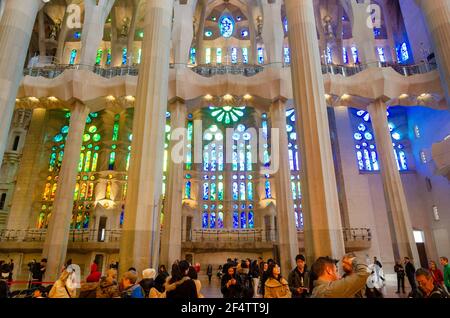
x,y
313,126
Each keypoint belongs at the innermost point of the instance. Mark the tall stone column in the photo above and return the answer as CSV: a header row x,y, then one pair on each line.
x,y
171,232
403,241
437,15
183,32
287,231
56,240
323,229
200,48
95,14
141,229
16,27
273,33
28,174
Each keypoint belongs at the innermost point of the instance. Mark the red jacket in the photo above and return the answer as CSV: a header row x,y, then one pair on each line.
x,y
95,275
438,277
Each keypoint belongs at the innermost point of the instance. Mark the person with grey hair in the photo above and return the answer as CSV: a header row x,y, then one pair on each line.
x,y
427,285
148,280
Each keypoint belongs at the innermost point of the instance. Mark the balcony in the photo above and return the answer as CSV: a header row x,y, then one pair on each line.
x,y
210,70
197,240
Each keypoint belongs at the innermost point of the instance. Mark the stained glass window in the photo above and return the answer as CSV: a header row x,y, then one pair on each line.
x,y
208,56
381,54
124,56
234,55
219,55
226,26
192,56
403,53
329,55
287,56
108,57
227,114
345,55
73,56
365,144
355,54
245,55
294,165
260,55
98,59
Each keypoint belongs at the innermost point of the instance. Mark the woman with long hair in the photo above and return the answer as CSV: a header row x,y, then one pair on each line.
x,y
276,286
436,273
231,284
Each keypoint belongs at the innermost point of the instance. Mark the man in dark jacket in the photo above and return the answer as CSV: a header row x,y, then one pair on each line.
x,y
246,281
398,268
410,271
209,272
298,279
4,287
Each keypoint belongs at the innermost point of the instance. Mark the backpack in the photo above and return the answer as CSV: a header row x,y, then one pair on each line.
x,y
439,293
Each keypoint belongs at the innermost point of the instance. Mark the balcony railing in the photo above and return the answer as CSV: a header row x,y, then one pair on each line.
x,y
209,70
405,70
38,235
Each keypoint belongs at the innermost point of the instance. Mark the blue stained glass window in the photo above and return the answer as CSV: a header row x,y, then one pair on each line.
x,y
205,220
402,52
260,55
108,57
235,220
285,24
205,191
329,55
234,55
245,55
242,191
220,220
287,55
355,54
268,191
243,220
251,221
193,58
365,143
235,191
187,194
226,26
122,215
212,220
124,56
213,192
345,55
250,191
381,54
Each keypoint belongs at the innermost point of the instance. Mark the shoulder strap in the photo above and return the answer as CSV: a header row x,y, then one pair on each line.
x,y
67,291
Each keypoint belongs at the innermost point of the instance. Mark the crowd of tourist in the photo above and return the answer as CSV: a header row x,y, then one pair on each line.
x,y
243,279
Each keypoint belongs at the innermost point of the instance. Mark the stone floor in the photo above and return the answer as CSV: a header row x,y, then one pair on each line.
x,y
213,290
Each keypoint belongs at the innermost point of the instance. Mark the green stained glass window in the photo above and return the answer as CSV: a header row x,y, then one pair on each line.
x,y
80,164
58,138
227,114
112,160
96,138
86,137
94,162
65,130
92,129
99,57
88,161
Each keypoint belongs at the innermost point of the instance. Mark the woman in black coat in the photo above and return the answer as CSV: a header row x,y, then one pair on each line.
x,y
180,285
231,285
